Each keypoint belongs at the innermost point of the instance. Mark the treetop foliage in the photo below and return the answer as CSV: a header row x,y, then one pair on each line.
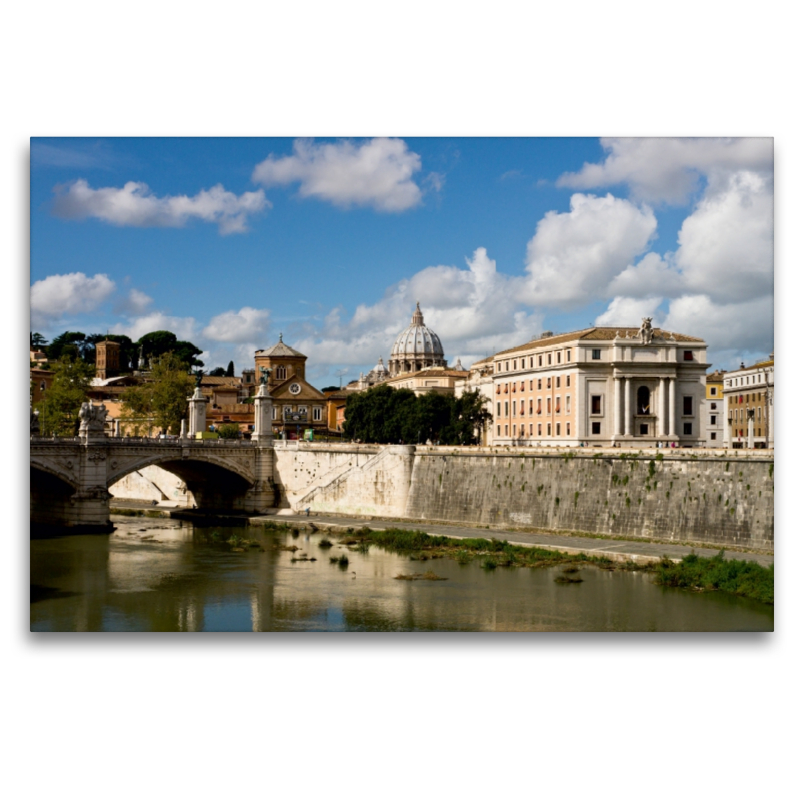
x,y
61,403
384,415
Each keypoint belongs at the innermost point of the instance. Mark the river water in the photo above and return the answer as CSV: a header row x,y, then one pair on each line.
x,y
165,575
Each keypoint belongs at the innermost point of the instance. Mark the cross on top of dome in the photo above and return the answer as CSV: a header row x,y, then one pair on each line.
x,y
416,317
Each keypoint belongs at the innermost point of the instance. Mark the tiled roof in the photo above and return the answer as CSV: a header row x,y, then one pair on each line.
x,y
595,334
769,363
278,350
716,377
209,380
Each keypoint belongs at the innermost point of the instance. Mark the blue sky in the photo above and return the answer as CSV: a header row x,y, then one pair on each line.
x,y
231,241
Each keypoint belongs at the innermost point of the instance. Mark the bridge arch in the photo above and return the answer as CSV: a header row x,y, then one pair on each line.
x,y
215,482
52,494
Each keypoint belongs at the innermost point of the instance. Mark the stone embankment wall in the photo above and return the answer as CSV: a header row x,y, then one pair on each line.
x,y
708,497
370,480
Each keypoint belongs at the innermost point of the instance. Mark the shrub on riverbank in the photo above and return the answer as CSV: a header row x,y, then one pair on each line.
x,y
742,578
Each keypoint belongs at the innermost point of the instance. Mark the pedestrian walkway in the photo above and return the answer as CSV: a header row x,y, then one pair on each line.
x,y
615,549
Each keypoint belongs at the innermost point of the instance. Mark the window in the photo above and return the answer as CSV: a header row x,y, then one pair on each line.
x,y
558,429
688,355
713,419
687,428
597,404
530,407
515,364
540,361
549,359
568,429
713,391
317,414
498,430
498,409
539,406
643,428
539,429
642,400
506,427
549,406
558,382
759,413
280,374
569,397
558,405
523,363
530,429
569,355
595,355
274,412
558,357
539,384
595,428
713,436
505,408
514,408
549,383
514,431
549,429
713,406
687,405
567,381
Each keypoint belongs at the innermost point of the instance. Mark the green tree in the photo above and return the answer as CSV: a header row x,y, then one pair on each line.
x,y
161,402
217,372
72,344
59,408
471,417
158,343
229,371
38,342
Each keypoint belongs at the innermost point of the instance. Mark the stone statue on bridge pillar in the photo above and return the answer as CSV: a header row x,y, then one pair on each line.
x,y
93,422
263,406
197,412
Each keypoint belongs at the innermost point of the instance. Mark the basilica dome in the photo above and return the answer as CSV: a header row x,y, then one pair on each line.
x,y
416,348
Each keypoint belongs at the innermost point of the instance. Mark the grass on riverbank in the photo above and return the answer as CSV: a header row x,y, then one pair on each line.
x,y
742,578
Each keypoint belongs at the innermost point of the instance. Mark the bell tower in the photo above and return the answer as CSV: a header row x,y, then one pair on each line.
x,y
107,359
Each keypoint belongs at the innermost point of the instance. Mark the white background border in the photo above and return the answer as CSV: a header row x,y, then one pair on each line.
x,y
393,715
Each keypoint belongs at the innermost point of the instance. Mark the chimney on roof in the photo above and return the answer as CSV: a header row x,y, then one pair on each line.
x,y
545,334
741,366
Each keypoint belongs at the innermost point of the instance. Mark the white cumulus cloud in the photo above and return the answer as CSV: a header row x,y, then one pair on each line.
x,y
627,312
654,274
574,255
668,169
134,303
246,325
726,244
377,173
135,205
73,293
474,311
741,327
185,328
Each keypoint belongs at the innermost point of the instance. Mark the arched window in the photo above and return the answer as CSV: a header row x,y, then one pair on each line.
x,y
643,400
280,373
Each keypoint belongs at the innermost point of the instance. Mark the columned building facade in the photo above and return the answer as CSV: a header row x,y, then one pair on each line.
x,y
623,387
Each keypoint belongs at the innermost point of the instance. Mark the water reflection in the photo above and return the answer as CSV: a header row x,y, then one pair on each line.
x,y
163,575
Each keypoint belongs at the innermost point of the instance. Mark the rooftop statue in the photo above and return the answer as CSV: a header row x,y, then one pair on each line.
x,y
265,373
92,417
646,331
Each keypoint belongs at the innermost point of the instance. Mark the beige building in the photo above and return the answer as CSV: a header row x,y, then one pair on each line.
x,y
715,411
749,394
623,387
297,406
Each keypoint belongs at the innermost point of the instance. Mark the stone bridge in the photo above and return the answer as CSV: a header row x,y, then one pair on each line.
x,y
70,478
